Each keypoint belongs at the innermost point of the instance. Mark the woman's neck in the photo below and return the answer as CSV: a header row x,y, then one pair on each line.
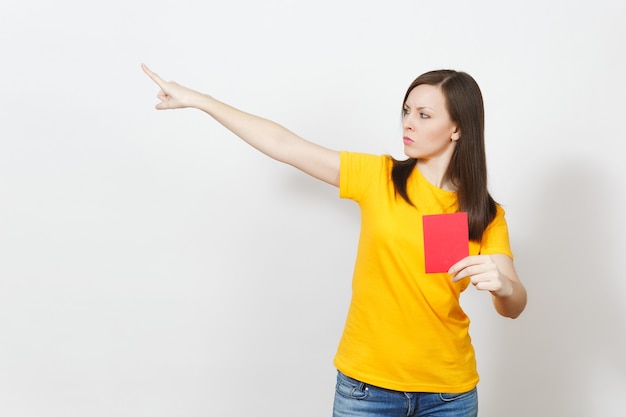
x,y
435,173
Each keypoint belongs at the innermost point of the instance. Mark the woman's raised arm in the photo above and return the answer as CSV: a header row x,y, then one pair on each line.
x,y
265,135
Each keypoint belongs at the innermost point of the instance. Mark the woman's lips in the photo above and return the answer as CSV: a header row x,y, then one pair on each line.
x,y
407,140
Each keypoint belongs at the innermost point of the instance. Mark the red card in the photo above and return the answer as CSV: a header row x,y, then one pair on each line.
x,y
446,240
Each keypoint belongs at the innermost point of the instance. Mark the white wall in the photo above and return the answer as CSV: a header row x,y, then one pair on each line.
x,y
153,265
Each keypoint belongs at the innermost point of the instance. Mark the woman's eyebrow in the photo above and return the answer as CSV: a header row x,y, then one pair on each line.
x,y
420,107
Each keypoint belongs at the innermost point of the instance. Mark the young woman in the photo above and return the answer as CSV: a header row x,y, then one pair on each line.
x,y
405,349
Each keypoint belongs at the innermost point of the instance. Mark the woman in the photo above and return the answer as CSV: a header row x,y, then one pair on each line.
x,y
405,349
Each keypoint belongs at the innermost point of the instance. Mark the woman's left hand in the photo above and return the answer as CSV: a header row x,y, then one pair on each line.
x,y
484,273
496,274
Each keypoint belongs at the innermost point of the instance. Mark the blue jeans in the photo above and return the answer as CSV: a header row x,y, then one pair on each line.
x,y
357,399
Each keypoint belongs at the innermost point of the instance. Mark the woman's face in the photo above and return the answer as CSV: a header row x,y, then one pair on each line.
x,y
428,131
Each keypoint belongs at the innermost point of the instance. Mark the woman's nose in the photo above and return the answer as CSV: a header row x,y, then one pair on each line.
x,y
407,124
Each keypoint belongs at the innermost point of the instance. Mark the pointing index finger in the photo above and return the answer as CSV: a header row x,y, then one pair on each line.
x,y
154,76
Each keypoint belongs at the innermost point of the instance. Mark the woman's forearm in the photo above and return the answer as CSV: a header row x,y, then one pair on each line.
x,y
513,304
265,135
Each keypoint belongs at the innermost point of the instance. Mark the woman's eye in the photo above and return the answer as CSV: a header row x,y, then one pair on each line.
x,y
405,111
424,116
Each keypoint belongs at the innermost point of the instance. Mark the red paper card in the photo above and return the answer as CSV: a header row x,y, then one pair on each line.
x,y
446,240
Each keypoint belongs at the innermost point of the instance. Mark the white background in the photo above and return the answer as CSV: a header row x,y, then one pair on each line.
x,y
151,264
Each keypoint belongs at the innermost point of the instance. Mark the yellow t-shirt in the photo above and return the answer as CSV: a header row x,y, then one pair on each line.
x,y
405,329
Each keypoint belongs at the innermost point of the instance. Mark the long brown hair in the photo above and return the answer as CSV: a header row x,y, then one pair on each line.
x,y
468,166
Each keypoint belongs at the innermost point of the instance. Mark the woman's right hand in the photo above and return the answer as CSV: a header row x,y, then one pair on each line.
x,y
172,94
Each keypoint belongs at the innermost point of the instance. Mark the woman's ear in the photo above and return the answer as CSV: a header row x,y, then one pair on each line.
x,y
456,134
